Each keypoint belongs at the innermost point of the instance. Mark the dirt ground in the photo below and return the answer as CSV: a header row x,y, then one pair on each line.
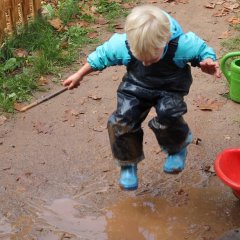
x,y
58,179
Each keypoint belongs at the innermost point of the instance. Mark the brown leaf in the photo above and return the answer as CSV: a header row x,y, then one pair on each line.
x,y
42,127
97,129
176,1
94,97
234,20
115,77
101,21
56,23
82,23
183,1
230,6
70,115
197,141
224,35
207,104
20,52
129,5
210,5
94,73
152,1
94,9
18,106
42,81
119,26
3,119
92,35
209,169
220,2
221,12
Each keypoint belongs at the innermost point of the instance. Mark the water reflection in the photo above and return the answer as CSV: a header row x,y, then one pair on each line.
x,y
204,214
63,214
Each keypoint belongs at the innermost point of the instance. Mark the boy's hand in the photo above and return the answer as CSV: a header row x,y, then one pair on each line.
x,y
210,67
73,81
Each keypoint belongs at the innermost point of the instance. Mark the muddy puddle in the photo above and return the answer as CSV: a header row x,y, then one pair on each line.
x,y
203,214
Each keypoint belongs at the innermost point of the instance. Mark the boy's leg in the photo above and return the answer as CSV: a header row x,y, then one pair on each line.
x,y
171,131
126,137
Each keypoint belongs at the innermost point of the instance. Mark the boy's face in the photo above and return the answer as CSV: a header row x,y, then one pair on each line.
x,y
148,61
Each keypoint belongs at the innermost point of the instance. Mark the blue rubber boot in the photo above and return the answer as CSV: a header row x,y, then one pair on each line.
x,y
175,163
128,177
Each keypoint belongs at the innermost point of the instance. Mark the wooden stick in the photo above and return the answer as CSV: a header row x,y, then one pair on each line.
x,y
41,100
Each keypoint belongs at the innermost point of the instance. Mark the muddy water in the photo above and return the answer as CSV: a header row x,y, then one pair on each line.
x,y
203,215
194,214
63,214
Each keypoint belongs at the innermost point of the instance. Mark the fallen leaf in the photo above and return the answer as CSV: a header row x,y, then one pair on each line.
x,y
210,5
3,119
94,97
119,26
94,9
82,23
18,106
152,1
70,115
94,73
42,81
230,6
224,35
176,1
56,23
219,2
234,20
209,169
115,77
227,137
197,141
20,52
183,1
6,168
207,104
42,127
97,129
92,35
101,21
129,5
221,12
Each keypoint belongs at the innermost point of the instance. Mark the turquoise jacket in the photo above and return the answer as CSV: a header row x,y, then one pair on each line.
x,y
114,51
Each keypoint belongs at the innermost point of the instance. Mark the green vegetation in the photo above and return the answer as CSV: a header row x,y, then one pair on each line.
x,y
232,44
43,48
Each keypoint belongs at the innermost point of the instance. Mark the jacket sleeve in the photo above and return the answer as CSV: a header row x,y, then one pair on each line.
x,y
111,53
192,49
175,28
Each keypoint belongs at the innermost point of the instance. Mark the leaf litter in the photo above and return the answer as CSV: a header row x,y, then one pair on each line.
x,y
206,104
71,116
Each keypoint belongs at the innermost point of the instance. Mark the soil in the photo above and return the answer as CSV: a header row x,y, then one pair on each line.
x,y
58,179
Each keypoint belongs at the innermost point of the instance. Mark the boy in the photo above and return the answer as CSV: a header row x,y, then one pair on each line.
x,y
156,53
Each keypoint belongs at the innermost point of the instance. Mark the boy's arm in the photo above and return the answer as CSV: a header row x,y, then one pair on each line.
x,y
193,49
112,52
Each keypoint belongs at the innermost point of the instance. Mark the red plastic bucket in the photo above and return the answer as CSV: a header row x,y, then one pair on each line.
x,y
227,167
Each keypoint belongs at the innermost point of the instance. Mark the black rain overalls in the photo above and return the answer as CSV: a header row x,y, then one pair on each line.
x,y
161,85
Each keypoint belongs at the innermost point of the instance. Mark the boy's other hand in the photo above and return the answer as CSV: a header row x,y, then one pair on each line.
x,y
210,67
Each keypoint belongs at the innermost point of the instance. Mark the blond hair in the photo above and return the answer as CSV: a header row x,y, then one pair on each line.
x,y
148,29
